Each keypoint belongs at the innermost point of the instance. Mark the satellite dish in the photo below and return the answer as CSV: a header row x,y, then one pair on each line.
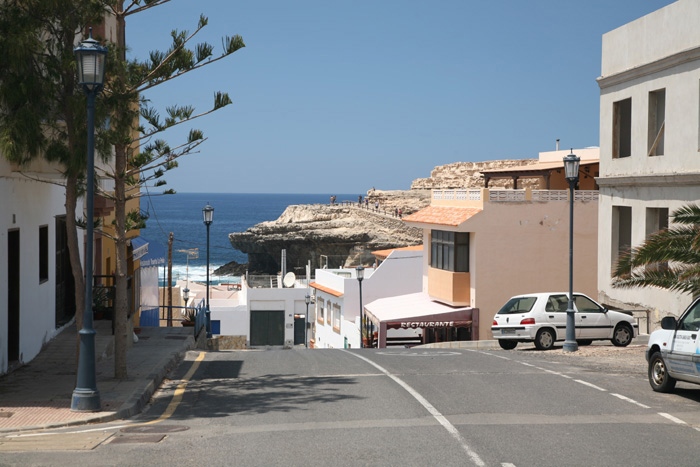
x,y
289,279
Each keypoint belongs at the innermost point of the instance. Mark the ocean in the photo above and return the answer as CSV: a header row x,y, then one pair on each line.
x,y
181,214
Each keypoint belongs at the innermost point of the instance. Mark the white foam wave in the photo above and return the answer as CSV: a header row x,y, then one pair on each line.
x,y
198,274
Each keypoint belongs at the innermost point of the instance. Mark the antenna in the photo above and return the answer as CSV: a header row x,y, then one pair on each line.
x,y
191,253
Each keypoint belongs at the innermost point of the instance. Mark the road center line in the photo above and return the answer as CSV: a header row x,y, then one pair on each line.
x,y
632,401
591,385
429,407
672,418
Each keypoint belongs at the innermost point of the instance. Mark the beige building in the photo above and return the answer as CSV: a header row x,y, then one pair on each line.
x,y
484,246
649,141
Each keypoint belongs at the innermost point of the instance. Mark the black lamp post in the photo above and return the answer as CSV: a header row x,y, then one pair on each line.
x,y
186,296
307,300
208,212
90,57
571,164
361,275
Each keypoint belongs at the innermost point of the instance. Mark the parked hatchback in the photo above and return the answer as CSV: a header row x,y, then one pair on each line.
x,y
541,318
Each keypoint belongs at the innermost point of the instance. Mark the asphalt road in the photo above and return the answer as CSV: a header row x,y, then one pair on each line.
x,y
390,407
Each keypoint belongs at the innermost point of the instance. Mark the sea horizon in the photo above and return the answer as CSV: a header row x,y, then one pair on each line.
x,y
181,214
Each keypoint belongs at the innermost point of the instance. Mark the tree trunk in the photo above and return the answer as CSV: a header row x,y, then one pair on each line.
x,y
121,302
74,255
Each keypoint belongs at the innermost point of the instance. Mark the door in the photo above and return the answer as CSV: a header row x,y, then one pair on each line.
x,y
684,355
13,295
555,313
299,331
65,284
591,320
266,328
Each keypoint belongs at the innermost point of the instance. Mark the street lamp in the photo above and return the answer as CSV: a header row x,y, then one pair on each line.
x,y
208,213
571,164
307,300
361,275
186,296
90,57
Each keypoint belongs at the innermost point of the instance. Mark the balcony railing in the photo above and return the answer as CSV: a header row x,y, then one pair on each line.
x,y
487,195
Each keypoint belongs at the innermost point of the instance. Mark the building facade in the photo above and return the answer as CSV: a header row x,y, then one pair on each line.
x,y
649,142
484,246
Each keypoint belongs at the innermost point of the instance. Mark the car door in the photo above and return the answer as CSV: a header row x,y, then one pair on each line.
x,y
592,322
684,356
555,313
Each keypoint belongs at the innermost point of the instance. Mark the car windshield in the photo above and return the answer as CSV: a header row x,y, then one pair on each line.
x,y
518,305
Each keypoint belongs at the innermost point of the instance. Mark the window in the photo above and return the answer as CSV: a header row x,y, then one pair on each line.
x,y
518,305
449,250
557,303
43,253
691,320
657,122
319,306
336,318
622,129
586,305
656,221
621,231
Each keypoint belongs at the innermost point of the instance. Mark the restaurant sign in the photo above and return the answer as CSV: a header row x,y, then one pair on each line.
x,y
426,324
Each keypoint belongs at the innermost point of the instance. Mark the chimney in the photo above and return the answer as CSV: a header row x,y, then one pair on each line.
x,y
557,144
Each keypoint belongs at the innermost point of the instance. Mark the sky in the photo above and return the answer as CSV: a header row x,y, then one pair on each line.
x,y
339,96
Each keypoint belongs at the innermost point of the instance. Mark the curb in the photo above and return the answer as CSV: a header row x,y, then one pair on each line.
x,y
133,405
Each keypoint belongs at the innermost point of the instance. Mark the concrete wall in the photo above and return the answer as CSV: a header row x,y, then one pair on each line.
x,y
637,60
27,205
290,300
518,248
664,32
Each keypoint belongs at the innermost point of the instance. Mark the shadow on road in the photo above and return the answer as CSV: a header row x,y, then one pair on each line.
x,y
217,391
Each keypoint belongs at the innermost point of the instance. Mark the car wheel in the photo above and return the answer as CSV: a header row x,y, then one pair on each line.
x,y
507,344
622,336
544,339
584,342
659,379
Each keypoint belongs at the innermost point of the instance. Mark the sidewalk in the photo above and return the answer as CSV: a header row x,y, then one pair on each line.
x,y
38,395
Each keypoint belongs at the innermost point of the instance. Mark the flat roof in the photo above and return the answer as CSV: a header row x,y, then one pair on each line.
x,y
443,215
415,307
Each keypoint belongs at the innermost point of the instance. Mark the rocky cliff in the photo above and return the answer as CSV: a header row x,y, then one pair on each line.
x,y
344,235
468,175
336,236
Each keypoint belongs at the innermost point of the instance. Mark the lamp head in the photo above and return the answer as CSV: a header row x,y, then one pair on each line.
x,y
186,294
307,299
571,165
208,213
91,57
360,273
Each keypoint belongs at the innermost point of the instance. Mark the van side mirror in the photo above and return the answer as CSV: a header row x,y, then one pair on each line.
x,y
668,322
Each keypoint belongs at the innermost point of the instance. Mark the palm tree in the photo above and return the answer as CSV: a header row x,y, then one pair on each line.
x,y
669,259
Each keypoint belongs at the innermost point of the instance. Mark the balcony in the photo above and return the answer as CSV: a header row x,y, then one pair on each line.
x,y
451,288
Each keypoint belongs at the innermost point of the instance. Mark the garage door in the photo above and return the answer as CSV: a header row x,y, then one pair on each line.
x,y
267,327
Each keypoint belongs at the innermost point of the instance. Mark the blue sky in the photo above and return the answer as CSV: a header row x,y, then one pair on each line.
x,y
342,96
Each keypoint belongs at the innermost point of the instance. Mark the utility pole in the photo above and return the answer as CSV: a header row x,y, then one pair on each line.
x,y
170,280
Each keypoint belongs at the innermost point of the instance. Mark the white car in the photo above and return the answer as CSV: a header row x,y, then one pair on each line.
x,y
673,351
541,318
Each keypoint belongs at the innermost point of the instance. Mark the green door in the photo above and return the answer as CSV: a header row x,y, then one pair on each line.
x,y
266,328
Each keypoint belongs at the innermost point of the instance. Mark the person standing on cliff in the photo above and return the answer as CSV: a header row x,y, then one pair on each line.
x,y
399,213
396,212
366,202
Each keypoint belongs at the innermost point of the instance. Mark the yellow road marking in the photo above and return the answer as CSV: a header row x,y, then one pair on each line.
x,y
179,392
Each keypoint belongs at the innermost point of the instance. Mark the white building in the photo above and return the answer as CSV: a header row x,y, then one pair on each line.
x,y
337,293
649,141
36,284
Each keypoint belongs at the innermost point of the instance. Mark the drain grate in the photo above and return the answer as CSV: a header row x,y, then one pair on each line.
x,y
155,429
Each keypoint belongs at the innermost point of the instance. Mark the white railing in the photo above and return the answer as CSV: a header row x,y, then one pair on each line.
x,y
513,195
506,195
550,195
586,195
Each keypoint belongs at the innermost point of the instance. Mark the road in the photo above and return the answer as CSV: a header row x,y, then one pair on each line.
x,y
389,407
